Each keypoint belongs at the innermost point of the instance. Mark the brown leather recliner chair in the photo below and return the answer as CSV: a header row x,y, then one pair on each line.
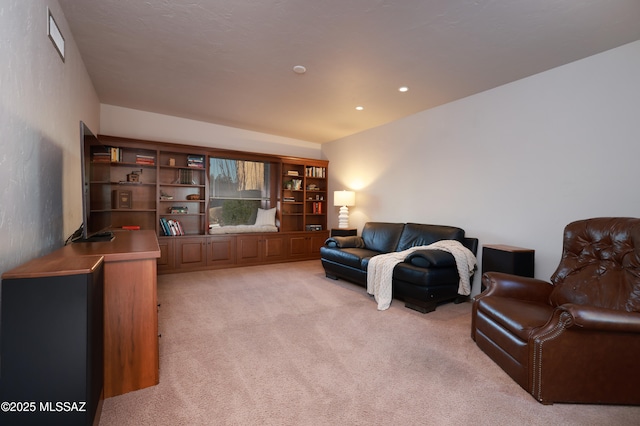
x,y
576,339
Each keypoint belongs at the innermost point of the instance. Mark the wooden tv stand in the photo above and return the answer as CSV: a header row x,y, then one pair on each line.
x,y
131,358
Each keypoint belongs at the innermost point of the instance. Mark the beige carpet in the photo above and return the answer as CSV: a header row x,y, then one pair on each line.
x,y
283,345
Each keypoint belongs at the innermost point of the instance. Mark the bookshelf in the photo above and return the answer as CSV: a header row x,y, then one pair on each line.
x,y
147,184
304,195
123,185
182,193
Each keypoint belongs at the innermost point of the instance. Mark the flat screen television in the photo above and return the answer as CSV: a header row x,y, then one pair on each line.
x,y
96,220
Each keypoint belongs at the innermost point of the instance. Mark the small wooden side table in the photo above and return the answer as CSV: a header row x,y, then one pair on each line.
x,y
343,232
509,259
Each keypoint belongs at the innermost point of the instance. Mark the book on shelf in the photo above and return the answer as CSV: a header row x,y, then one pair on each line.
x,y
101,157
185,177
316,172
292,173
171,227
116,154
145,159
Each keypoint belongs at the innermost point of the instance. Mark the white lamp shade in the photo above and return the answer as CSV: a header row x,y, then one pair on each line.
x,y
344,198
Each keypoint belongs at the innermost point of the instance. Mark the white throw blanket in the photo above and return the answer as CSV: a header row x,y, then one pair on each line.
x,y
380,269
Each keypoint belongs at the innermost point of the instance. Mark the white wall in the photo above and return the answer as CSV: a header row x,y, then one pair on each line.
x,y
131,123
42,101
512,165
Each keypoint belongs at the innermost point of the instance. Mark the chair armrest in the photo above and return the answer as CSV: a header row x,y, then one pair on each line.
x,y
431,259
602,319
515,286
352,241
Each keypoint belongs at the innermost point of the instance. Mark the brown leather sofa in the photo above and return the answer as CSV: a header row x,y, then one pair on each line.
x,y
576,339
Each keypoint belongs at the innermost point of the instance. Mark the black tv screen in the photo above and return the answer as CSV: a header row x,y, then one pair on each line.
x,y
95,179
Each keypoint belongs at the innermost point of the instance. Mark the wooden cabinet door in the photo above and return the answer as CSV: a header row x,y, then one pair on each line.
x,y
297,246
191,252
306,245
221,250
260,248
166,261
248,249
273,247
316,240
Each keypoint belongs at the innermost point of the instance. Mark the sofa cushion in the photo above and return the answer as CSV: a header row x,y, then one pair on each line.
x,y
382,237
353,257
417,234
431,259
345,242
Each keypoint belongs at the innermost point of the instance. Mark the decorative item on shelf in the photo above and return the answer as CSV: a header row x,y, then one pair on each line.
x,y
165,196
131,227
134,176
344,199
288,184
195,161
314,227
172,162
193,197
312,187
178,210
122,199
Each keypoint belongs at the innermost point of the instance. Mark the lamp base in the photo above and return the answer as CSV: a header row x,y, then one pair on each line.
x,y
343,217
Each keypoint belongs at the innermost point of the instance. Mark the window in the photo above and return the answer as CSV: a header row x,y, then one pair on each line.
x,y
237,189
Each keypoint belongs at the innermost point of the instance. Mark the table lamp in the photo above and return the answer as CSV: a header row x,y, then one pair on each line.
x,y
344,199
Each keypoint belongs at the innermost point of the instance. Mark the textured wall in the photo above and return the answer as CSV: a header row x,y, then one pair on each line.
x,y
42,101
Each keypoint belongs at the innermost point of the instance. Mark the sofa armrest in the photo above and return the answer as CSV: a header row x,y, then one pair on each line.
x,y
515,286
602,319
352,241
431,259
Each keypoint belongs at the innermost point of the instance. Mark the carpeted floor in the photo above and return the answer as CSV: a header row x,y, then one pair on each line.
x,y
283,345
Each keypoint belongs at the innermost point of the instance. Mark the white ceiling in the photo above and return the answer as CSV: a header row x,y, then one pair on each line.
x,y
231,62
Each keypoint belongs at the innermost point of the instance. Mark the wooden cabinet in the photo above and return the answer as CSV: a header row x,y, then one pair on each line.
x,y
131,357
166,261
179,191
191,252
123,185
303,201
221,251
52,340
260,248
182,191
306,245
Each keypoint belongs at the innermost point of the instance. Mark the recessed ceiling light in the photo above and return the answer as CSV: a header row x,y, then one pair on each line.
x,y
359,108
299,69
403,89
